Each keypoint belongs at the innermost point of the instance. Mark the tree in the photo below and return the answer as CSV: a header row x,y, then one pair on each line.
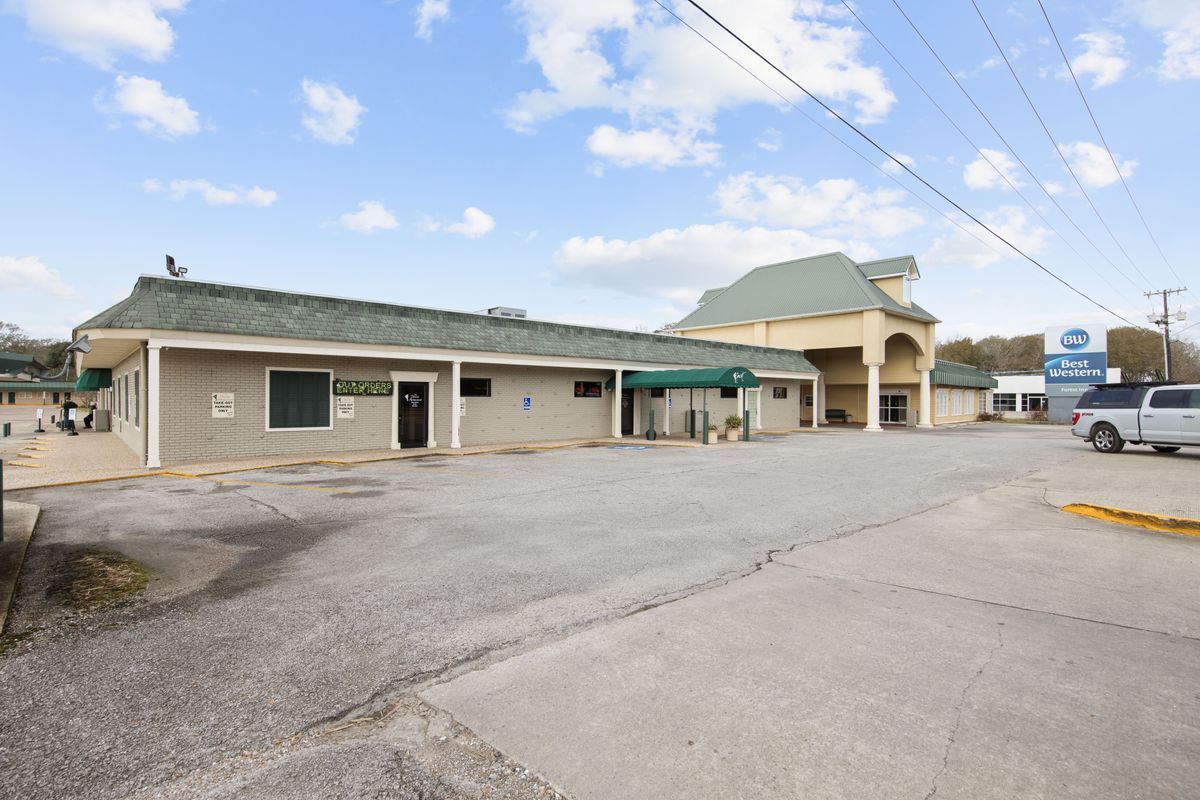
x,y
961,350
56,355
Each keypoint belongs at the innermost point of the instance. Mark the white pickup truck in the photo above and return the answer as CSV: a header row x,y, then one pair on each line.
x,y
1162,415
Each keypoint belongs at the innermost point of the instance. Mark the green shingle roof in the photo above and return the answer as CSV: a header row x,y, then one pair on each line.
x,y
183,305
710,294
825,284
951,373
16,361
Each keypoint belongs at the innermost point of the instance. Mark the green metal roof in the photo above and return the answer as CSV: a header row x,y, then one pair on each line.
x,y
825,284
37,386
951,373
887,266
711,378
15,361
184,305
710,294
91,380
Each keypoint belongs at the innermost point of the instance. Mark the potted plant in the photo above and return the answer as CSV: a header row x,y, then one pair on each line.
x,y
733,427
711,438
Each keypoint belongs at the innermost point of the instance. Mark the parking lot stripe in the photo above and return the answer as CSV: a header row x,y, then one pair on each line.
x,y
1139,519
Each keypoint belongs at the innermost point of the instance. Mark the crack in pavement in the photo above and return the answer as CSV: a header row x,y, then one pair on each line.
x,y
959,709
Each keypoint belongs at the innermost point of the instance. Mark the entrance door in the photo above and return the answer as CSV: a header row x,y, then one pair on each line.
x,y
893,409
414,414
627,412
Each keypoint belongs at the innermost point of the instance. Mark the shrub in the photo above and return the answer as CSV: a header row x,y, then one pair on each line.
x,y
733,421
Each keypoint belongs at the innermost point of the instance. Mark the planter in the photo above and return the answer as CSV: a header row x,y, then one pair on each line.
x,y
733,434
711,437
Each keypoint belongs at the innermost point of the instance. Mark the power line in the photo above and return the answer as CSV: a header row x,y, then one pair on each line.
x,y
1107,149
977,148
1054,142
904,166
827,130
1050,196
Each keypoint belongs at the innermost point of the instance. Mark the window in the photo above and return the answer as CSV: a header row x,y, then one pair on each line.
x,y
1170,398
1004,401
1033,402
808,401
968,402
475,387
125,391
67,395
587,389
656,393
55,398
728,392
779,393
1111,398
956,403
943,402
298,399
137,398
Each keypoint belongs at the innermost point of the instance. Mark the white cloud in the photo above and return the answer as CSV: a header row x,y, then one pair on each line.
x,y
429,12
631,59
98,30
1092,164
370,217
1103,57
232,195
1178,23
475,223
958,248
334,115
979,174
889,166
833,206
771,140
153,110
29,274
678,264
655,148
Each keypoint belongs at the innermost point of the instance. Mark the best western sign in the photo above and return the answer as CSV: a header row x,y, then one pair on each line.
x,y
1076,357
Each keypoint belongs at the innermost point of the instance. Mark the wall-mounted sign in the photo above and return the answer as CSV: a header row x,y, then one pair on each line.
x,y
1076,357
362,388
527,403
345,407
462,406
222,405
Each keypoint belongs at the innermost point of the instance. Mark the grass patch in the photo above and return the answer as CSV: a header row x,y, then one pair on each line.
x,y
94,578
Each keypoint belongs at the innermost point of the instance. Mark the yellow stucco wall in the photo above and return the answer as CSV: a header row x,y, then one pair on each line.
x,y
893,288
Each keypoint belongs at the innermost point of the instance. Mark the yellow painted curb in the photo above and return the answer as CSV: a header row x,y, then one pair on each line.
x,y
23,464
1139,519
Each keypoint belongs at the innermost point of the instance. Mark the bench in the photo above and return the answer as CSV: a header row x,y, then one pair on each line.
x,y
837,415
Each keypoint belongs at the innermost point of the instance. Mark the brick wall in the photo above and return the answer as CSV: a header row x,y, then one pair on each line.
x,y
555,412
128,426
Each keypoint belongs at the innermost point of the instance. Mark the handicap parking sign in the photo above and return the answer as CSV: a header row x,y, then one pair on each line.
x,y
527,403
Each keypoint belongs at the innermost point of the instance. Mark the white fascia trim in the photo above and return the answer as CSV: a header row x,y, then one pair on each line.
x,y
884,309
267,405
184,340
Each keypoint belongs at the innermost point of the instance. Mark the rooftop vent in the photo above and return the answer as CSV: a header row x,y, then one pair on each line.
x,y
506,311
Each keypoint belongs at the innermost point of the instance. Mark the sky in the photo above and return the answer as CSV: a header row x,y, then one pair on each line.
x,y
595,163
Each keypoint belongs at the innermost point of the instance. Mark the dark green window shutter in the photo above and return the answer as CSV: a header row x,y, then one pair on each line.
x,y
299,399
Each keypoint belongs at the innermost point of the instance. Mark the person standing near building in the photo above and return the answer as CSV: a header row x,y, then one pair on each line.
x,y
68,406
91,415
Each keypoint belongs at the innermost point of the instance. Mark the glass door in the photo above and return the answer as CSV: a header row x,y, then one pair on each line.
x,y
414,415
893,409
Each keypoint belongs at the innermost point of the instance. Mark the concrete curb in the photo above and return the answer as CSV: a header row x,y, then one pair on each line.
x,y
1138,519
19,522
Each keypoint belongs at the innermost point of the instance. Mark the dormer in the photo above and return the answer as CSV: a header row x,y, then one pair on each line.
x,y
894,277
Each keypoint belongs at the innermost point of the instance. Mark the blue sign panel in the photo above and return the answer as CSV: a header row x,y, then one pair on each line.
x,y
527,403
1079,368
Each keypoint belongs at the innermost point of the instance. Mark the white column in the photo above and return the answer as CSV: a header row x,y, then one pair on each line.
x,y
152,402
925,417
873,397
758,409
816,410
616,405
667,412
432,401
455,402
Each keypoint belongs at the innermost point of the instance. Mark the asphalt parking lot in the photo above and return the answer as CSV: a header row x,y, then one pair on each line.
x,y
605,621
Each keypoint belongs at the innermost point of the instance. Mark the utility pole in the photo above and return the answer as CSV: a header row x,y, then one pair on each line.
x,y
1165,323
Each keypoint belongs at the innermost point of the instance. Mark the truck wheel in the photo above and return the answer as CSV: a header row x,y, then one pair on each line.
x,y
1106,439
1162,448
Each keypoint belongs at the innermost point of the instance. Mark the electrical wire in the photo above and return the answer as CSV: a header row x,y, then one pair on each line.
x,y
829,131
1107,149
904,166
1049,195
1054,142
1003,176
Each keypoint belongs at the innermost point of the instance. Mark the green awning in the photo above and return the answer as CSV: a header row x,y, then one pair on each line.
x,y
93,380
951,373
711,378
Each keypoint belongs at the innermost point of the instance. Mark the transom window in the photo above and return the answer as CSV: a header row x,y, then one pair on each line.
x,y
588,389
298,399
728,392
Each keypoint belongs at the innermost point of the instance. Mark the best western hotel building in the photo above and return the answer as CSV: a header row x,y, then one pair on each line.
x,y
194,371
858,325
